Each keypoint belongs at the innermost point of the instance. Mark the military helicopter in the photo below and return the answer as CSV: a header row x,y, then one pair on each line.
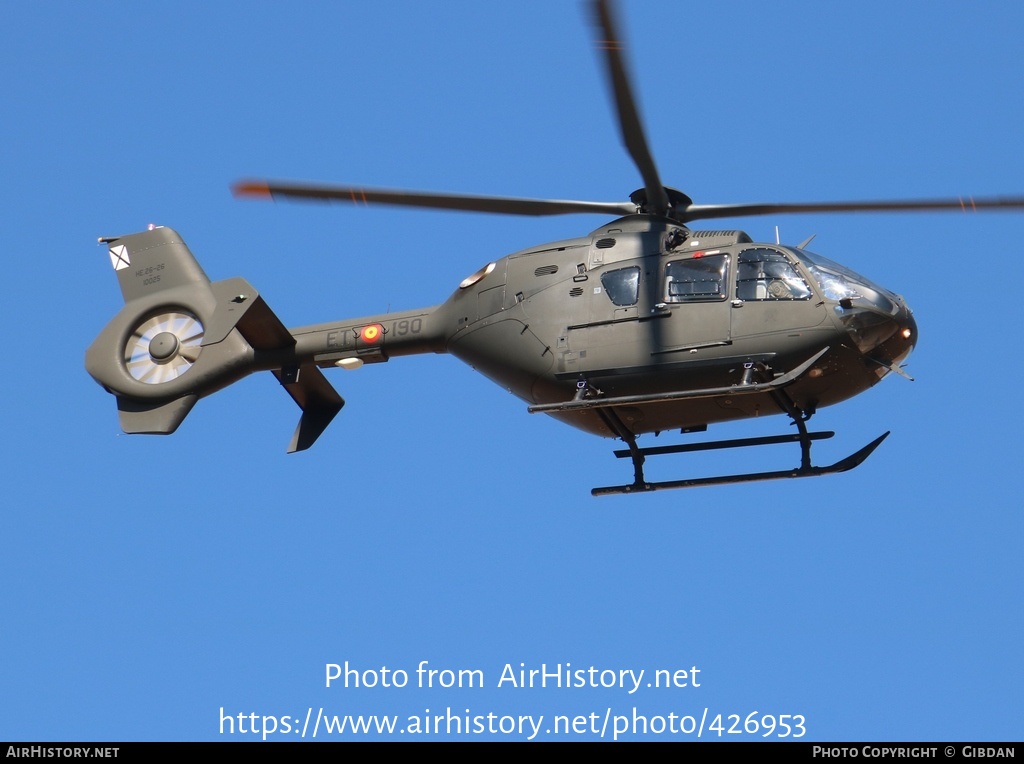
x,y
644,325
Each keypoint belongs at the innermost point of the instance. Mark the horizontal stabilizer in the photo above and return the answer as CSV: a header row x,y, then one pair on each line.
x,y
245,310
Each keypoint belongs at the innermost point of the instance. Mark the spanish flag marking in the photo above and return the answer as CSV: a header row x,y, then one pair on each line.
x,y
372,333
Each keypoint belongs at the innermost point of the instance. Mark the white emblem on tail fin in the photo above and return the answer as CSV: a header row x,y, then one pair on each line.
x,y
119,257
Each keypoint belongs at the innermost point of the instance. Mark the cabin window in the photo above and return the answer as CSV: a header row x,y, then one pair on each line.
x,y
622,285
697,279
764,274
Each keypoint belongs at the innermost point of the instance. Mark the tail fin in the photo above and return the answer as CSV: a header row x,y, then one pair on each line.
x,y
180,337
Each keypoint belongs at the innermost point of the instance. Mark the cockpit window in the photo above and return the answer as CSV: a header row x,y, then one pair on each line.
x,y
838,282
622,285
699,278
765,274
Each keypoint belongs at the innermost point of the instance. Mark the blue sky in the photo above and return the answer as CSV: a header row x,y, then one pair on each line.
x,y
150,582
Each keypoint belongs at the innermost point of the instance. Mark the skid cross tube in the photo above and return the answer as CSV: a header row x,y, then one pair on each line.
x,y
714,445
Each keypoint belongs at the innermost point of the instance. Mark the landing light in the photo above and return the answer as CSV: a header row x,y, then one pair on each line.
x,y
906,333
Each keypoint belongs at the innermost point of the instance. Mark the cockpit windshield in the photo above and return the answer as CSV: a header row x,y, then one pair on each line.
x,y
837,282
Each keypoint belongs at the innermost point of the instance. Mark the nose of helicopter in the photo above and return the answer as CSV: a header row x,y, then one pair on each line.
x,y
907,334
895,349
882,326
909,331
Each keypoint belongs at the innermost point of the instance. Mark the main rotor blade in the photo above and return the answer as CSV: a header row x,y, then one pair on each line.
x,y
503,205
961,204
629,118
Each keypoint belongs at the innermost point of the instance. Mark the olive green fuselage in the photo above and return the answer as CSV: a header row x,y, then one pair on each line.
x,y
620,312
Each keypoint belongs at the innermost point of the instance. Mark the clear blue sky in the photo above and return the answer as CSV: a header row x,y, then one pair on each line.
x,y
149,582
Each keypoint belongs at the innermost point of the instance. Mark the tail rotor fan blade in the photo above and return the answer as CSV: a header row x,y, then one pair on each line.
x,y
163,347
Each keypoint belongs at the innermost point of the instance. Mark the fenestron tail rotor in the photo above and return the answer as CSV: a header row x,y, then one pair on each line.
x,y
163,347
174,318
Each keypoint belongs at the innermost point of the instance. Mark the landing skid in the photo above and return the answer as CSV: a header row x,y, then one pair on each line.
x,y
805,470
589,399
606,409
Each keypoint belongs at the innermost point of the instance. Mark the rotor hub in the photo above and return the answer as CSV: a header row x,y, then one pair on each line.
x,y
676,198
163,347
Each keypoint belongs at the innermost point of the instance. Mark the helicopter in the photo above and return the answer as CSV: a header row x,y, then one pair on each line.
x,y
645,325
